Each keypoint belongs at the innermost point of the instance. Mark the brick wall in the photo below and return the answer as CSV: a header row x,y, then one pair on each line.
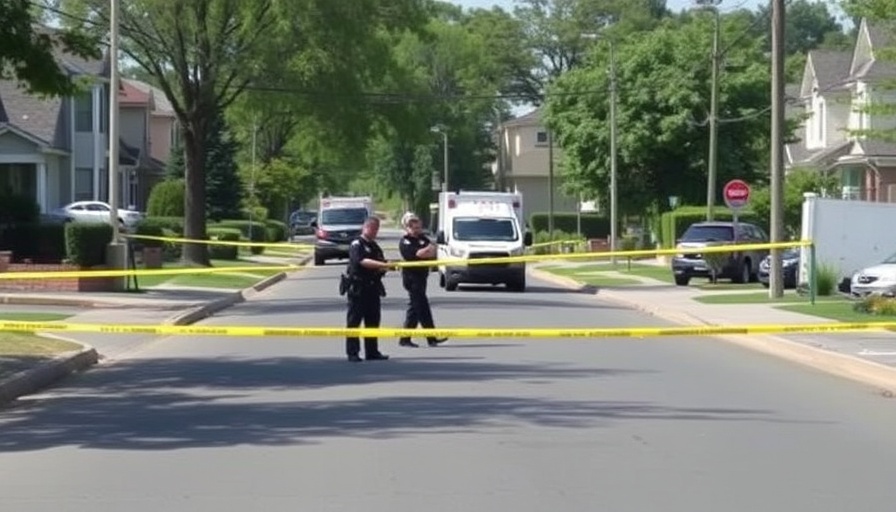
x,y
50,283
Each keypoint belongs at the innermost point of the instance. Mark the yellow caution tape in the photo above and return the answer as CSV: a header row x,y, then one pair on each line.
x,y
386,332
596,255
280,245
144,272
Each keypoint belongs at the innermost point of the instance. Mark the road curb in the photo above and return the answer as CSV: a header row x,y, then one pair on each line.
x,y
31,380
34,379
57,301
842,365
198,313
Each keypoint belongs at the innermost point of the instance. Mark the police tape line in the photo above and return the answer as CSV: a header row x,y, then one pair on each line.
x,y
278,245
386,332
458,262
146,272
529,258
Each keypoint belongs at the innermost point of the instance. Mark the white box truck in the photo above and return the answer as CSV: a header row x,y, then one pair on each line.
x,y
481,225
339,221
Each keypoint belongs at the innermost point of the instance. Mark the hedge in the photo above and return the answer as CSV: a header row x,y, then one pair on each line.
x,y
151,226
175,224
543,237
40,243
251,230
277,230
674,223
85,244
223,252
593,225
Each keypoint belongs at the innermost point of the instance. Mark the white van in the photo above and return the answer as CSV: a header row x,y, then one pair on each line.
x,y
339,221
481,225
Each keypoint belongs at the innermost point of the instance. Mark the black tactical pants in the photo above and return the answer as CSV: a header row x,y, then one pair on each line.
x,y
419,311
364,307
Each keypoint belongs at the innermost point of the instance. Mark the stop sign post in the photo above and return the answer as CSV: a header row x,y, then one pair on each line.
x,y
737,195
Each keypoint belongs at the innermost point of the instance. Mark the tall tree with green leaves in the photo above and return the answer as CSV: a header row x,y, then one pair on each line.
x,y
663,80
28,50
223,187
202,54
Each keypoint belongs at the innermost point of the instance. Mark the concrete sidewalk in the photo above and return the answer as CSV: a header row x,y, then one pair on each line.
x,y
868,357
162,305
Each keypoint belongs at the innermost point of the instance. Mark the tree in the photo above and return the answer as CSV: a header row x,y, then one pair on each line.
x,y
664,82
798,182
202,55
223,188
28,51
176,168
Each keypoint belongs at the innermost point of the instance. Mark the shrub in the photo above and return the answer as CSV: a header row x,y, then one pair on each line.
x,y
166,199
85,244
574,243
593,226
673,224
172,251
150,227
825,280
223,252
277,230
173,224
876,305
251,230
41,243
18,209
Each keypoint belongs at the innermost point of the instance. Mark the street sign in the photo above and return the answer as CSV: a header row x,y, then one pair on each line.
x,y
736,194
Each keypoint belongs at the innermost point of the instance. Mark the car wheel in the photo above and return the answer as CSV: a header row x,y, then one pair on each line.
x,y
745,272
682,280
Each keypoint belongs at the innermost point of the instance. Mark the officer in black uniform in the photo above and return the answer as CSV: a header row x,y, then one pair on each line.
x,y
363,284
415,246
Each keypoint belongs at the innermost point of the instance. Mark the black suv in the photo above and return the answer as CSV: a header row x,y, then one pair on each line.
x,y
739,266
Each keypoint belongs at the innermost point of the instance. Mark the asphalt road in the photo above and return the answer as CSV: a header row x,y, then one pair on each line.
x,y
672,424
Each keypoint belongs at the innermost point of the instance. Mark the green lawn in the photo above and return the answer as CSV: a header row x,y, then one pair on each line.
x,y
241,279
842,311
21,350
762,298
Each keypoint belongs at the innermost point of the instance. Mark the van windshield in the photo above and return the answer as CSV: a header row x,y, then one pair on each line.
x,y
472,229
355,216
708,234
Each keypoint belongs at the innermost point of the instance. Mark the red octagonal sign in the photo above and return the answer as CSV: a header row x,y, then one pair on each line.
x,y
736,194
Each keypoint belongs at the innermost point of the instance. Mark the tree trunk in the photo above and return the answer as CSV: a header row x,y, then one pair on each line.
x,y
194,197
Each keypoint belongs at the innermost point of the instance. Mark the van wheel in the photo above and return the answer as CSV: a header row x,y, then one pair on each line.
x,y
682,280
744,275
518,286
441,280
450,285
319,262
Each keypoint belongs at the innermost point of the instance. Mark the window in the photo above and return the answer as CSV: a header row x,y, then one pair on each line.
x,y
83,184
820,123
353,216
708,234
470,229
541,138
84,112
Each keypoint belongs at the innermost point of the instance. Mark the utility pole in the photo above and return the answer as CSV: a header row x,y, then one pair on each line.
x,y
712,169
550,186
614,205
445,157
776,284
116,253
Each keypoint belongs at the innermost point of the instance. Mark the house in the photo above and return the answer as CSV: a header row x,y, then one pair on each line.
x,y
523,164
56,149
836,85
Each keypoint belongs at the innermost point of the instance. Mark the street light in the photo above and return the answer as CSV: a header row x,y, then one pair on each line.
x,y
614,207
713,109
444,132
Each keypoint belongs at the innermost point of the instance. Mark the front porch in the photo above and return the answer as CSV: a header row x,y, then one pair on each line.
x,y
865,178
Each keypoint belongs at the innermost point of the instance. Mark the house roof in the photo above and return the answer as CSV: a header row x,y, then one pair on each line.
x,y
876,148
831,68
799,155
532,118
129,95
31,114
160,103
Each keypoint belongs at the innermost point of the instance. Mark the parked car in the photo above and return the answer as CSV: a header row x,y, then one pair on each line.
x,y
739,266
97,211
877,279
300,222
790,263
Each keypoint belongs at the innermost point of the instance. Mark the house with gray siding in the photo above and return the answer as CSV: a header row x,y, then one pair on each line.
x,y
835,89
56,149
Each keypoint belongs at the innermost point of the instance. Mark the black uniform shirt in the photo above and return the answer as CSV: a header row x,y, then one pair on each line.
x,y
408,246
361,249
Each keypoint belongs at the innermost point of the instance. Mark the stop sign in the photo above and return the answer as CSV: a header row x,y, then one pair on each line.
x,y
736,194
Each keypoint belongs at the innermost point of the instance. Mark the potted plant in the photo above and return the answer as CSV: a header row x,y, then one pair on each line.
x,y
153,254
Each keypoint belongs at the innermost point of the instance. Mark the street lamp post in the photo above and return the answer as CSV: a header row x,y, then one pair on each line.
x,y
444,132
116,254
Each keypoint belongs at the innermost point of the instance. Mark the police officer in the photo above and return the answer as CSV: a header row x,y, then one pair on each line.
x,y
364,288
415,246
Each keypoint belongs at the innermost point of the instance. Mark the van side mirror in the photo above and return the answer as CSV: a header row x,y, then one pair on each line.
x,y
440,238
527,239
